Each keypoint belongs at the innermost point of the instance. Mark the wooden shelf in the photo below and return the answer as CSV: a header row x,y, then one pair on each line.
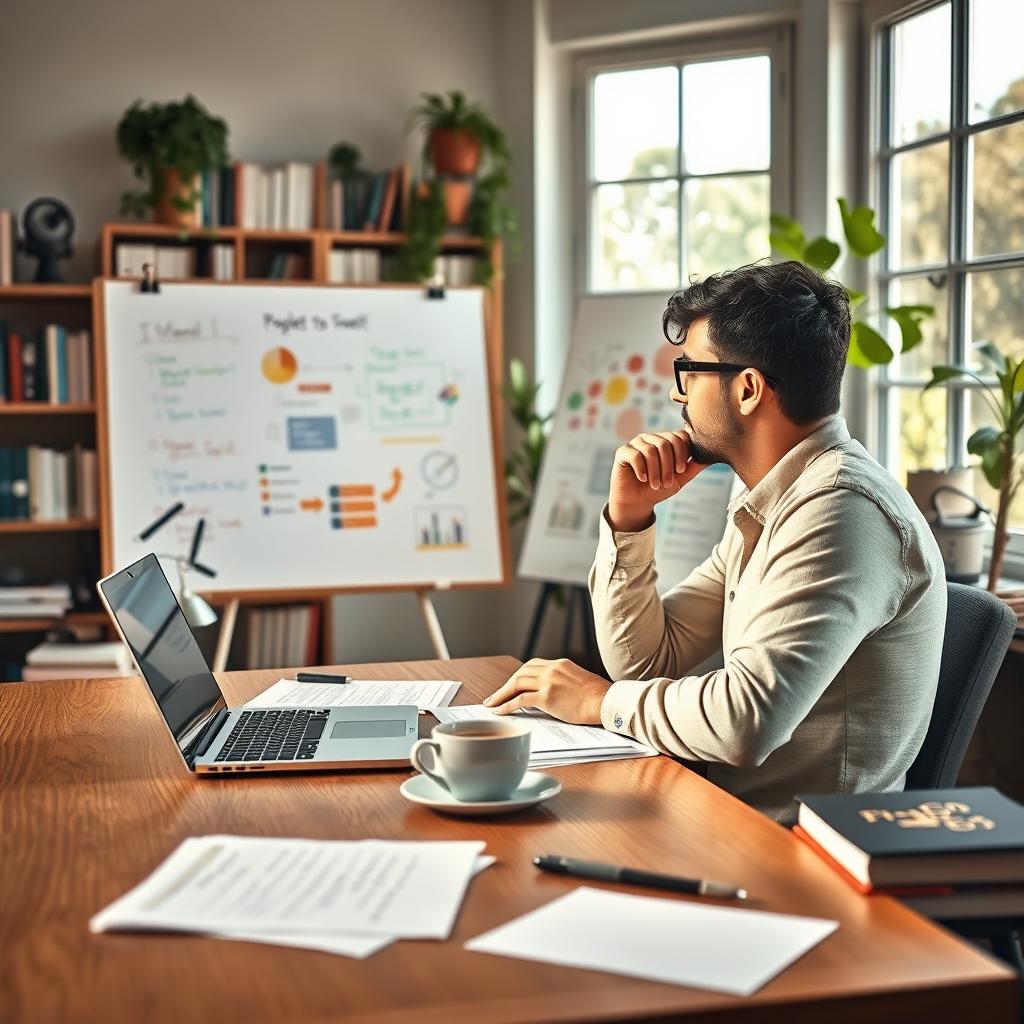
x,y
39,625
44,292
47,525
46,409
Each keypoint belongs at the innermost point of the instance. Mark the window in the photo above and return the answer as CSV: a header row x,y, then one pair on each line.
x,y
951,201
682,152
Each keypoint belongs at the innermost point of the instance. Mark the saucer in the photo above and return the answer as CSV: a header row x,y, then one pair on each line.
x,y
535,788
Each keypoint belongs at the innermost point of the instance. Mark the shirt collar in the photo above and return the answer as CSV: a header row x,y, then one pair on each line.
x,y
763,496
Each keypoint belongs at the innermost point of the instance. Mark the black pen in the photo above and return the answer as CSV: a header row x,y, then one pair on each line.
x,y
320,677
633,876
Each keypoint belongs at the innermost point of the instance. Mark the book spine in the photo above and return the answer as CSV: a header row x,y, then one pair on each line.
x,y
30,369
19,483
15,370
62,364
5,383
52,365
6,483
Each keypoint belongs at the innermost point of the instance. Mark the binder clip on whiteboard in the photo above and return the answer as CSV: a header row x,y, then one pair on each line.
x,y
435,286
149,280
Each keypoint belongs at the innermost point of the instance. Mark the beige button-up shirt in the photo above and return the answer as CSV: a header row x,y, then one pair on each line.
x,y
827,597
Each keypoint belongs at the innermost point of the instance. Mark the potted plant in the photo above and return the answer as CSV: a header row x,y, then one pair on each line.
x,y
169,146
522,467
997,446
459,139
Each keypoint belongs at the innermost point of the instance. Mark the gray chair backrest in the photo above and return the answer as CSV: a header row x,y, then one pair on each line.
x,y
979,628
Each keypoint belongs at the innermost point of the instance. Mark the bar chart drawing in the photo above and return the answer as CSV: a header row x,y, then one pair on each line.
x,y
440,528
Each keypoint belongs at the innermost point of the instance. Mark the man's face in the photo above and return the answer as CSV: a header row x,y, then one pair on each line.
x,y
715,428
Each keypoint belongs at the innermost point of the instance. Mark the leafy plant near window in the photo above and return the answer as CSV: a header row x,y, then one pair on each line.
x,y
168,140
867,347
457,134
997,446
522,467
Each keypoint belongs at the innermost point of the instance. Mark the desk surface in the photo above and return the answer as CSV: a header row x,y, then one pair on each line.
x,y
93,796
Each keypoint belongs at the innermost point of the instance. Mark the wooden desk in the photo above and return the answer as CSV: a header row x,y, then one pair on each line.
x,y
93,796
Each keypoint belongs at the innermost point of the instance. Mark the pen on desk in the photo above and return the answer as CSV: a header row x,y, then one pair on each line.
x,y
633,876
320,677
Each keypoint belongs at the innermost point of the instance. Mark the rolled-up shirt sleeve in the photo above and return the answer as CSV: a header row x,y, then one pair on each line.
x,y
829,583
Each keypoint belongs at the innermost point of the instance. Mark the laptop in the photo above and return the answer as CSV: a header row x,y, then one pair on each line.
x,y
215,739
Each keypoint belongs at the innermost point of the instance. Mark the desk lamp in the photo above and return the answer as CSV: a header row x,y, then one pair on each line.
x,y
197,611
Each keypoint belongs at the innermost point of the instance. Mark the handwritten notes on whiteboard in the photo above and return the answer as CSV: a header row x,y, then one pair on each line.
x,y
329,437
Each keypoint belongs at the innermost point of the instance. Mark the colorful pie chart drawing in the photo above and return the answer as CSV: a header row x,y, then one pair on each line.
x,y
279,365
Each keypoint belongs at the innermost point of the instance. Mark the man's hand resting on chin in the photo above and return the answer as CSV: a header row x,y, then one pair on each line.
x,y
560,688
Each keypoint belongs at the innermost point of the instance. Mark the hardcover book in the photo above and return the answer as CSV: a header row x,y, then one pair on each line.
x,y
919,837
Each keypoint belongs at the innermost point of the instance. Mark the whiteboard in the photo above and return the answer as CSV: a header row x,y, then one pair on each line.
x,y
332,438
616,385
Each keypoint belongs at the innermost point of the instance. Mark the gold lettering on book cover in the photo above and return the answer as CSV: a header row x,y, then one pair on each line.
x,y
952,815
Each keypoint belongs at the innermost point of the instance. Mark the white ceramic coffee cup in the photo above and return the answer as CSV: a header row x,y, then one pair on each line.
x,y
476,760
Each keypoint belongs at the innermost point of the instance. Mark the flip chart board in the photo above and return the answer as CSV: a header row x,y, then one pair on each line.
x,y
616,385
332,438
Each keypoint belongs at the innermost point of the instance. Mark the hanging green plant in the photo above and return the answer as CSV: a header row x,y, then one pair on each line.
x,y
427,222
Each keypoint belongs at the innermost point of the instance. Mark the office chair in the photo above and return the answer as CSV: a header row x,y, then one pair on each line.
x,y
979,628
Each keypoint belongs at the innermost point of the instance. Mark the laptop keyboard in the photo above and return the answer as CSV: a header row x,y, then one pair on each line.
x,y
291,734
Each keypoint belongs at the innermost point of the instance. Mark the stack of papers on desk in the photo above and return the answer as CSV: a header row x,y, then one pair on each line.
x,y
347,897
426,694
555,743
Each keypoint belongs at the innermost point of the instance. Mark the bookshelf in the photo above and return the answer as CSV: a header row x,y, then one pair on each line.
x,y
52,542
56,549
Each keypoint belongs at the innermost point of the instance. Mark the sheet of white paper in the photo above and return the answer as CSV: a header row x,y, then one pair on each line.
x,y
550,736
727,950
254,884
357,946
426,694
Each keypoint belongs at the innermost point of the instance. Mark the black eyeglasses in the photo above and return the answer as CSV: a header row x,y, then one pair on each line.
x,y
683,366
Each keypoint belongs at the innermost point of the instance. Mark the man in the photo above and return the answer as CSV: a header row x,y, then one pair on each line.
x,y
826,593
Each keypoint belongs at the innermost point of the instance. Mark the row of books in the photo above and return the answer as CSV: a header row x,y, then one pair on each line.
x,y
279,198
176,261
7,239
52,660
39,483
48,600
50,364
282,636
288,266
951,854
456,270
370,202
354,266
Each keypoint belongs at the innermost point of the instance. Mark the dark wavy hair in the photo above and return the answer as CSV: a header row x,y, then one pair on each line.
x,y
785,319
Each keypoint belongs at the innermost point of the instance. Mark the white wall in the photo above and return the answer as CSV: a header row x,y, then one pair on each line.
x,y
289,78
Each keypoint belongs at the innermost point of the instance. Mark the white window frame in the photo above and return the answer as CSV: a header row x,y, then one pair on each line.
x,y
776,43
879,17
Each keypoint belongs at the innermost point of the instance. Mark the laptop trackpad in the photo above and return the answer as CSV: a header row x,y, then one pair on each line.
x,y
368,730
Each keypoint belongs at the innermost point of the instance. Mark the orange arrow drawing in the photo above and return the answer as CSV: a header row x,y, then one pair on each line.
x,y
311,504
396,485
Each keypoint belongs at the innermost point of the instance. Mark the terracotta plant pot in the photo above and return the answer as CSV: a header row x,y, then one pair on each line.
x,y
457,197
454,151
165,212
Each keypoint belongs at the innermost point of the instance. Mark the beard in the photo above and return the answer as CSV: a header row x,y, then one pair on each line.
x,y
718,444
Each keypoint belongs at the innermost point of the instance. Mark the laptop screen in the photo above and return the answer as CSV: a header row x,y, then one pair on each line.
x,y
165,650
